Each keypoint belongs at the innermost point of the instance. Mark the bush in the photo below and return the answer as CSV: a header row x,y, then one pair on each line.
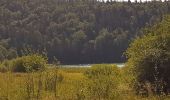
x,y
18,64
28,63
149,57
102,81
35,63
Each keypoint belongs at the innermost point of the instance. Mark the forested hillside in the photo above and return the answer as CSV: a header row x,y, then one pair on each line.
x,y
74,31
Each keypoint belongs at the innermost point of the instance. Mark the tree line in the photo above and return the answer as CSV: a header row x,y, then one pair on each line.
x,y
75,31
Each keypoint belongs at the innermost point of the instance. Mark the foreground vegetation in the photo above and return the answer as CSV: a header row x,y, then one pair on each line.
x,y
96,83
149,59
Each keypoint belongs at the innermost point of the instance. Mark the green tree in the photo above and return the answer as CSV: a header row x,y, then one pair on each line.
x,y
149,57
78,39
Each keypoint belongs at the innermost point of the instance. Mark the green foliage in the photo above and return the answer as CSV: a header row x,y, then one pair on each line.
x,y
6,52
102,81
5,66
34,62
28,63
3,53
72,29
149,57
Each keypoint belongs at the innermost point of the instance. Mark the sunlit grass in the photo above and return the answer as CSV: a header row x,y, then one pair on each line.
x,y
62,84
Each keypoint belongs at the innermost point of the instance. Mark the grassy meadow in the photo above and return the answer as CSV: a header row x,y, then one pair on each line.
x,y
69,84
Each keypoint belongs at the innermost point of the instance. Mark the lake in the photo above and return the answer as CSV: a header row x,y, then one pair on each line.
x,y
89,65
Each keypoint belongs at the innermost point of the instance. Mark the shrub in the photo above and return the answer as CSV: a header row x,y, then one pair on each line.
x,y
149,57
102,81
28,63
5,66
35,62
18,64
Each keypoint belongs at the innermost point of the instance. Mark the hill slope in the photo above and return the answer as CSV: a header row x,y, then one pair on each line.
x,y
74,31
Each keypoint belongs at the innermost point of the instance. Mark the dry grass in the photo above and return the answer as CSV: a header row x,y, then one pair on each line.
x,y
66,84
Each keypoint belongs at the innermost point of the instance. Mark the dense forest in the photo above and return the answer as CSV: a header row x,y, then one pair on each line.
x,y
75,31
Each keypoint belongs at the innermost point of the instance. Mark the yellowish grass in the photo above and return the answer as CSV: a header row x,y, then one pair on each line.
x,y
13,86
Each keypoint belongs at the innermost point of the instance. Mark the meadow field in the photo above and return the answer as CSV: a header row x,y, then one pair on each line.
x,y
70,84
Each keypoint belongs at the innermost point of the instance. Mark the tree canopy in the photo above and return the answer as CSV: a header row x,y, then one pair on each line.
x,y
76,31
149,56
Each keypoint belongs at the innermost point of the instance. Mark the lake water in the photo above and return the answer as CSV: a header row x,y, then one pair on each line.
x,y
89,65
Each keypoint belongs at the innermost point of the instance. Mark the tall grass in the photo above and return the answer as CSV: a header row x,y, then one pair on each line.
x,y
96,83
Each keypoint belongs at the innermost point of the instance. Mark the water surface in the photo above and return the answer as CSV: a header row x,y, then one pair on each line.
x,y
89,65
